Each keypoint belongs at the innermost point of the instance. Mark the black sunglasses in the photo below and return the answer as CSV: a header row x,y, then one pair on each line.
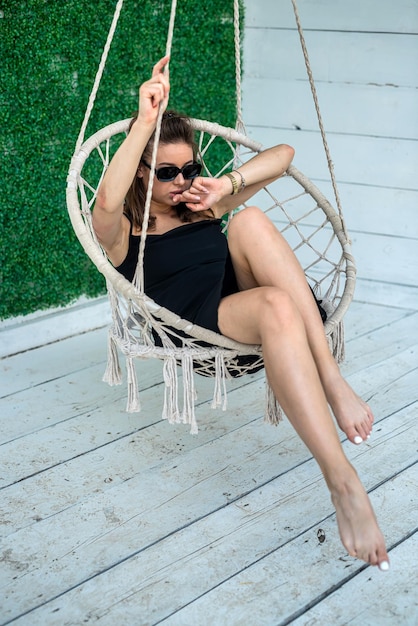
x,y
170,172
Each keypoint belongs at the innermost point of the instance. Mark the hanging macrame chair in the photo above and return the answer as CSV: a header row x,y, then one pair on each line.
x,y
314,229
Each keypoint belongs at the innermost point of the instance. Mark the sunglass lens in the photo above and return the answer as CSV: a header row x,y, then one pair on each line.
x,y
192,170
165,174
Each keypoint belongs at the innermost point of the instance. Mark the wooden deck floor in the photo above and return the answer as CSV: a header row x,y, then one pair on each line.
x,y
116,518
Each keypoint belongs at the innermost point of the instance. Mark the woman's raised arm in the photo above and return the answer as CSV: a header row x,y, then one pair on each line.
x,y
108,208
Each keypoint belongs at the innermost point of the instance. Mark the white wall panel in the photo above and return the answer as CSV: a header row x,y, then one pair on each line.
x,y
364,57
377,210
351,108
369,58
385,16
375,161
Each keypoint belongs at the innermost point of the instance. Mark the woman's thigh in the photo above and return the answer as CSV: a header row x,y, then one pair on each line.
x,y
260,254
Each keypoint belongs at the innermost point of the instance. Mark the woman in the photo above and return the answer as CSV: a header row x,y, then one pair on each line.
x,y
263,300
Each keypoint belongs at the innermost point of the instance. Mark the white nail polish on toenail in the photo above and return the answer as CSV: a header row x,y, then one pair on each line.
x,y
358,439
384,566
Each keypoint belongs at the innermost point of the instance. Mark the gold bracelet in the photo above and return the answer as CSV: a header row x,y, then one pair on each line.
x,y
234,183
242,179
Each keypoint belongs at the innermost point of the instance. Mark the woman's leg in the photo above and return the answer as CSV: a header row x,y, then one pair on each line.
x,y
268,315
262,257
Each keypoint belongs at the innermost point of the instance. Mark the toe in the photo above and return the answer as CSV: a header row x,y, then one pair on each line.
x,y
355,435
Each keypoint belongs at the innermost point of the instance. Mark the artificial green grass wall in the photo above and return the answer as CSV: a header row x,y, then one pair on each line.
x,y
50,51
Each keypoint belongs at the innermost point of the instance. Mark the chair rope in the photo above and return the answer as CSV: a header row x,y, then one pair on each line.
x,y
99,74
318,112
240,126
136,318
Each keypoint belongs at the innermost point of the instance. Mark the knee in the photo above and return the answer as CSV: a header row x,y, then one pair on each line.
x,y
252,223
250,217
247,227
278,309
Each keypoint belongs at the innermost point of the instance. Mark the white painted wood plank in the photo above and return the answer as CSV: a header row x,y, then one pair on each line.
x,y
355,74
260,430
272,579
377,210
46,493
390,259
80,488
78,396
348,108
98,473
92,428
373,16
87,428
257,526
371,349
62,375
122,458
34,367
268,593
372,161
28,332
386,294
363,319
370,599
346,57
133,455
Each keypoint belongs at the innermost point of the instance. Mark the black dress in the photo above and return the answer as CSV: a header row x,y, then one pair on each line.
x,y
187,270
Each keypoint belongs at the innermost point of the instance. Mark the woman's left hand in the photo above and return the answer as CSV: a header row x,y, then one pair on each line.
x,y
203,194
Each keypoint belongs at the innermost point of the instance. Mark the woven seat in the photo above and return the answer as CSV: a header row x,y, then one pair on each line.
x,y
304,215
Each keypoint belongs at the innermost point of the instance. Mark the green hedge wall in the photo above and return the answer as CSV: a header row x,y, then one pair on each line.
x,y
50,51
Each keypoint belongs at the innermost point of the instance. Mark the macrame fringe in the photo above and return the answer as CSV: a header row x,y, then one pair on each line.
x,y
133,404
171,404
112,375
189,393
336,341
273,411
220,396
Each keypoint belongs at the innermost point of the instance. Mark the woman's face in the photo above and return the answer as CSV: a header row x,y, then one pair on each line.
x,y
169,155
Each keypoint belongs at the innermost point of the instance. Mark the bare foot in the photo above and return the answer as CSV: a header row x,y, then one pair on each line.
x,y
353,415
359,531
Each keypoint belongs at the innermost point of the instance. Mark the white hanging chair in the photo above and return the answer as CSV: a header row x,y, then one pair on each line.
x,y
314,229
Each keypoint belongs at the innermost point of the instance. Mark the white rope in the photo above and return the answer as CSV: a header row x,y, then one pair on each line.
x,y
318,112
99,74
240,127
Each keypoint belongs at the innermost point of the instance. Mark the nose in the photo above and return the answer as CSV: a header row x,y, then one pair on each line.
x,y
179,179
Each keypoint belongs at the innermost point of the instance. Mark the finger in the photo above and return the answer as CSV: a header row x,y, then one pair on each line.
x,y
198,187
153,92
163,82
160,65
195,207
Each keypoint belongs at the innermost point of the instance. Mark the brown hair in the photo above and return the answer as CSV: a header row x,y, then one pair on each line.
x,y
175,128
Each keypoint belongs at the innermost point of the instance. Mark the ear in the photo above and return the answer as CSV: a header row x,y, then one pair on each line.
x,y
139,172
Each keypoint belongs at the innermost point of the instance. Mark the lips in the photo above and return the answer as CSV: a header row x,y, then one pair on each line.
x,y
177,192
